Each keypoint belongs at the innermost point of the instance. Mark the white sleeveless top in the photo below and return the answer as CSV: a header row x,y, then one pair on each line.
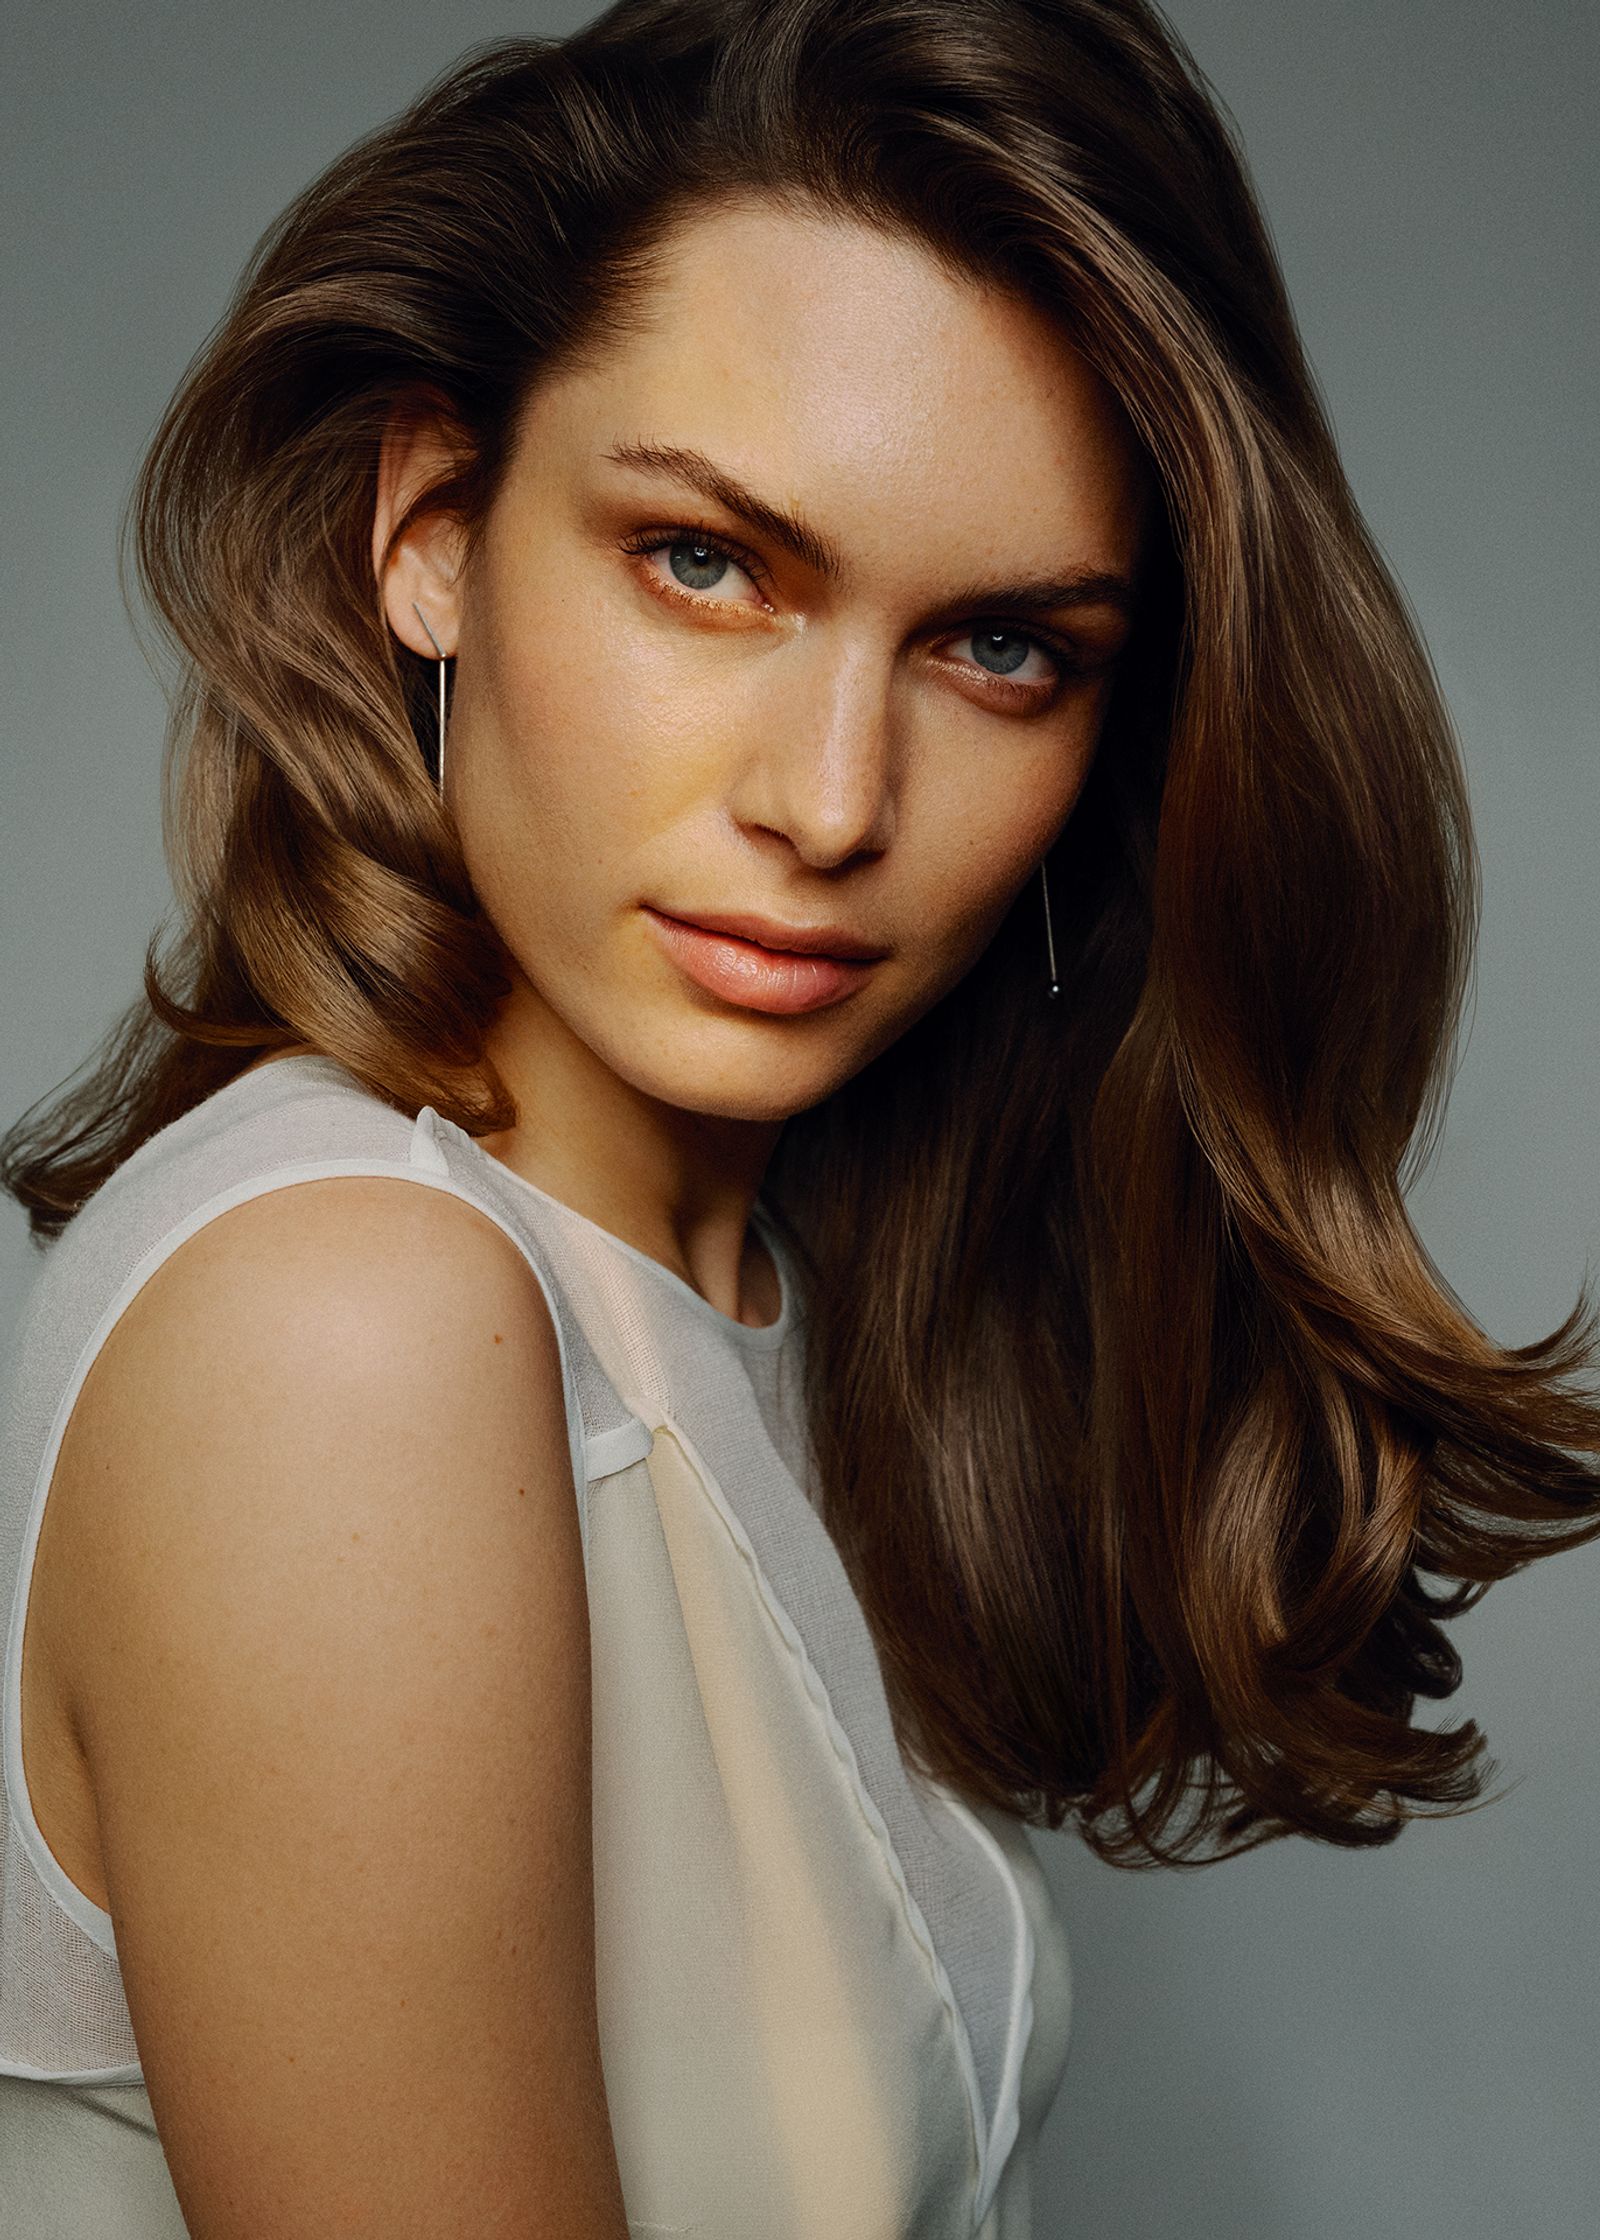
x,y
834,2001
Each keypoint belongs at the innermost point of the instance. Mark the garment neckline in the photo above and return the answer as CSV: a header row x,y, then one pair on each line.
x,y
757,1335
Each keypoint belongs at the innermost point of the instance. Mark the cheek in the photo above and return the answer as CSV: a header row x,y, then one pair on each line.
x,y
967,890
592,755
984,825
603,721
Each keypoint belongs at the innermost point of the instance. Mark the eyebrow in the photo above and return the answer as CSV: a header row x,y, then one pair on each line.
x,y
782,526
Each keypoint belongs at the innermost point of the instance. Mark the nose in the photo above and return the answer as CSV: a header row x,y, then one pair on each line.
x,y
822,765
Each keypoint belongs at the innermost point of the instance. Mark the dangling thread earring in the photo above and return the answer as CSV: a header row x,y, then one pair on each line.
x,y
1049,932
439,650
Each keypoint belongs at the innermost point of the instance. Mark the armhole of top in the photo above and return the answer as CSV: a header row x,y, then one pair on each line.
x,y
425,1164
596,1454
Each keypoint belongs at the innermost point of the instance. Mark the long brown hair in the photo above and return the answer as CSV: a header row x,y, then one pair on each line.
x,y
1155,1445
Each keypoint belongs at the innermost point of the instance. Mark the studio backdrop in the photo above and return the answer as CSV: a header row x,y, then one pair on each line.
x,y
1302,2044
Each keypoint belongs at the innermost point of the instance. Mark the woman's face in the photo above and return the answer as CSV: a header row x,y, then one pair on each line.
x,y
802,603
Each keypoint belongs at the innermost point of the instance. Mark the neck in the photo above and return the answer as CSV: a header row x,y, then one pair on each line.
x,y
674,1183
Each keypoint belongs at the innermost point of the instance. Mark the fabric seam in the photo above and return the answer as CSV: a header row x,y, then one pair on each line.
x,y
1019,2027
844,1750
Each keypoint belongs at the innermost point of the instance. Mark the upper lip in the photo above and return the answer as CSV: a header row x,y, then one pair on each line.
x,y
770,933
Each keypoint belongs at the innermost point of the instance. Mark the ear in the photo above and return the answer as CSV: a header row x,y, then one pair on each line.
x,y
423,567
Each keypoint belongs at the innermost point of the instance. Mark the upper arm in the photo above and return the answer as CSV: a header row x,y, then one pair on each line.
x,y
332,1684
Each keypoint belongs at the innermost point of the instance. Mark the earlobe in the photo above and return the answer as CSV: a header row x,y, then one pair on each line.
x,y
420,599
428,627
416,569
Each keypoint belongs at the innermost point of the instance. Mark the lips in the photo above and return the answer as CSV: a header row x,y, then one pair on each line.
x,y
786,940
737,968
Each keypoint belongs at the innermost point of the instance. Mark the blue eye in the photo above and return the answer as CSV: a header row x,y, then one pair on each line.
x,y
1001,653
1000,650
697,565
701,559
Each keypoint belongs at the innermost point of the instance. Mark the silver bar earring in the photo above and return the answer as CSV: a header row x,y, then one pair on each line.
x,y
439,650
1049,931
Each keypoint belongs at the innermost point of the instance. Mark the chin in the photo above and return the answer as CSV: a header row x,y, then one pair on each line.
x,y
755,1097
755,1084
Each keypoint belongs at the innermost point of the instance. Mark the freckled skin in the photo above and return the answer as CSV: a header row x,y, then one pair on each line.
x,y
809,749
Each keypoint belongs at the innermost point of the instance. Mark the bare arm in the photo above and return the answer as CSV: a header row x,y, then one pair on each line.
x,y
332,1681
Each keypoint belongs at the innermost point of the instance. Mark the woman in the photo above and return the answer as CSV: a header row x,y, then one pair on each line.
x,y
757,1235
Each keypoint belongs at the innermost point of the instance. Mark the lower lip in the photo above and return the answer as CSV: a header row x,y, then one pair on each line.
x,y
758,979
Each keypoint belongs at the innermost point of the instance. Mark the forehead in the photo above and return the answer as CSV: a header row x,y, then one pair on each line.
x,y
845,366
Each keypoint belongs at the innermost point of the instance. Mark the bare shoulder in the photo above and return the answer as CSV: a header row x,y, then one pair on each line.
x,y
318,1326
331,1682
383,1242
336,1285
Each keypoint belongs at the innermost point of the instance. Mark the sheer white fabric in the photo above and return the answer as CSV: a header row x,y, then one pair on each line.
x,y
834,2001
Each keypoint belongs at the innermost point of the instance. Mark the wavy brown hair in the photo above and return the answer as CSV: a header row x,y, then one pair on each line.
x,y
1155,1445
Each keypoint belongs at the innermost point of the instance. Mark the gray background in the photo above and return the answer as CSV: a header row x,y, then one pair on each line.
x,y
1303,2044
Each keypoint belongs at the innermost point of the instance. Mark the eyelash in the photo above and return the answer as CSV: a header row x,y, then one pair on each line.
x,y
698,534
